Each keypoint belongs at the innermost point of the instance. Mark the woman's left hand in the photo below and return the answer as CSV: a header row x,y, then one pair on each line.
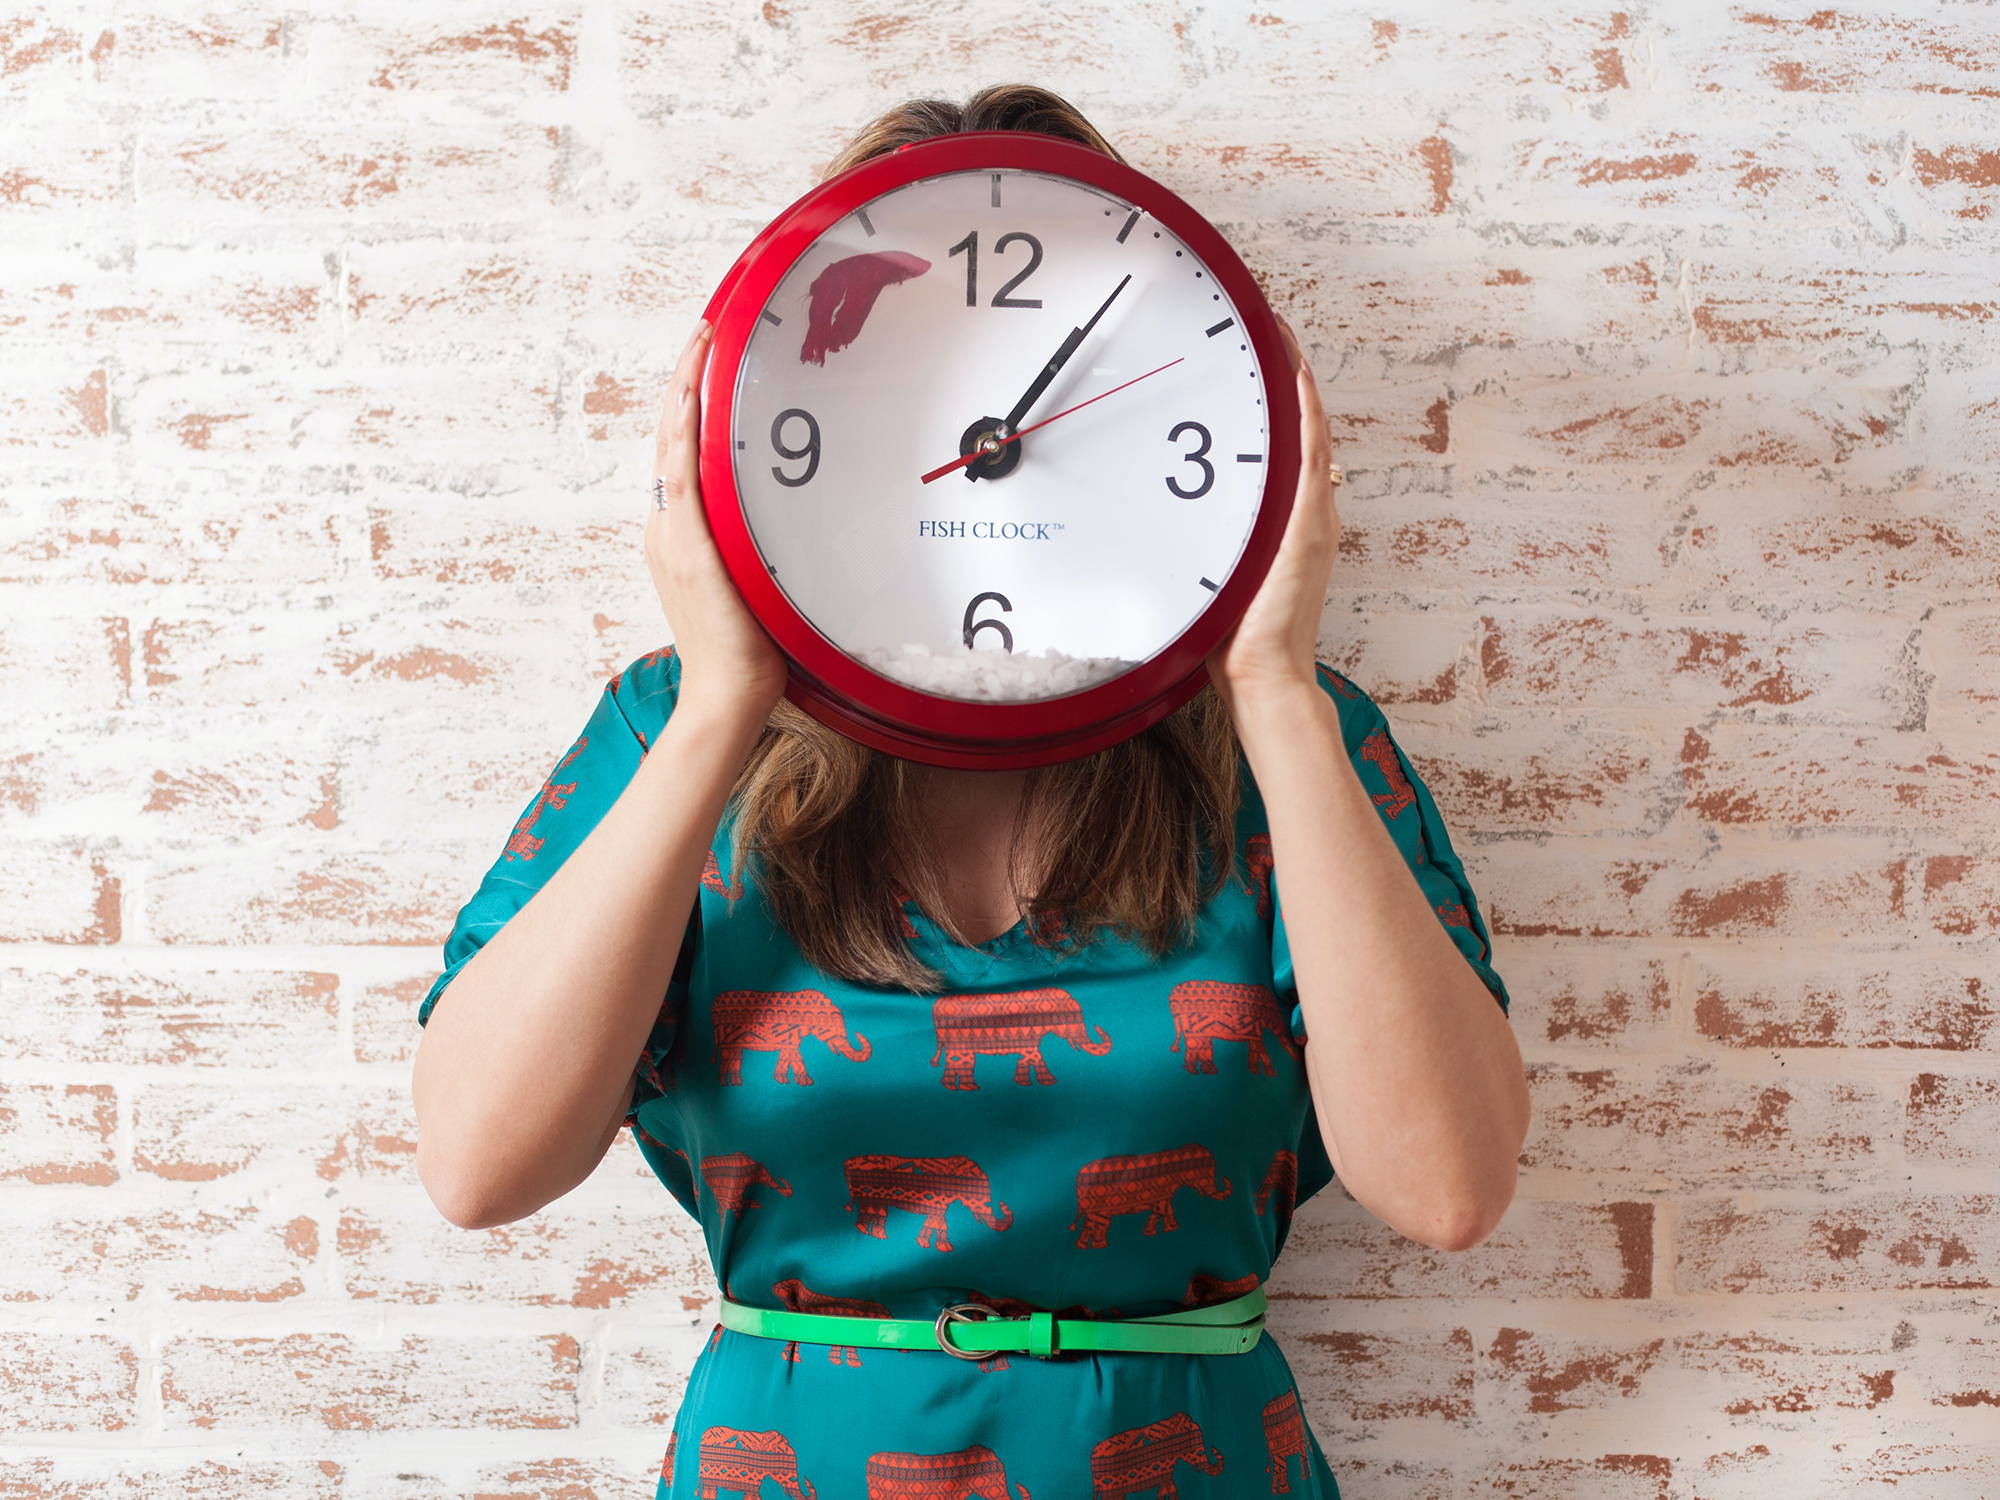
x,y
1276,642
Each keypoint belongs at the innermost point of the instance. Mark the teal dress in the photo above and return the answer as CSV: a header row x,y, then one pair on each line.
x,y
1099,1133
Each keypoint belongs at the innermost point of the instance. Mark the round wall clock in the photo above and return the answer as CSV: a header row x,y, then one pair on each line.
x,y
998,439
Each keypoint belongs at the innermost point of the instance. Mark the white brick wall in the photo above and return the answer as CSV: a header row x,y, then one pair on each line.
x,y
1660,343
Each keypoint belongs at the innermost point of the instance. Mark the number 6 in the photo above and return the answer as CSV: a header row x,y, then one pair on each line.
x,y
972,627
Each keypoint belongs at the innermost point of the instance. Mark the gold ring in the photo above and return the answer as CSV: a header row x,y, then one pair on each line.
x,y
1335,476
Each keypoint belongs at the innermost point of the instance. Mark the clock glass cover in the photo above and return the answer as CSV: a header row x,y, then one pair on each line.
x,y
1000,435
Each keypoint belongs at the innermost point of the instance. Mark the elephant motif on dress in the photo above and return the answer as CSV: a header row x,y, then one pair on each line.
x,y
731,1177
1143,1458
1380,752
522,843
1209,1011
1146,1185
1280,1187
667,1466
1017,1023
926,1185
1285,1439
732,1459
777,1021
940,1476
1204,1289
799,1297
711,879
1257,861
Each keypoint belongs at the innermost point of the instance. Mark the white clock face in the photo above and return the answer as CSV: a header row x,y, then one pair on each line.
x,y
918,330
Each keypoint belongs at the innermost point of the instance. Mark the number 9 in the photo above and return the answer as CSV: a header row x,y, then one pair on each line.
x,y
810,453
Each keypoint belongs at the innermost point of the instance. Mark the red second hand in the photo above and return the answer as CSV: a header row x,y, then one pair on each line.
x,y
959,463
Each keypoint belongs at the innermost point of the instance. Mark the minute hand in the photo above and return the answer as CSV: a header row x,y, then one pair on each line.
x,y
1049,371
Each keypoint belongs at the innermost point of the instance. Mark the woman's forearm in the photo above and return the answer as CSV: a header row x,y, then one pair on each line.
x,y
525,1067
1415,1074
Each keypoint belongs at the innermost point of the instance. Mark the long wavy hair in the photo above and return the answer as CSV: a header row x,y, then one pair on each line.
x,y
1135,839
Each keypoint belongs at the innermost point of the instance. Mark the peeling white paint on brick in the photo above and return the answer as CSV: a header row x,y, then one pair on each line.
x,y
1660,350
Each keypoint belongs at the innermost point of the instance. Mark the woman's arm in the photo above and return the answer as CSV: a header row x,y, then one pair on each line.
x,y
1415,1074
525,1069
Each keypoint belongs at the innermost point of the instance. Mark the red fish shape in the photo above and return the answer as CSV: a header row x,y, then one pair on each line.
x,y
844,294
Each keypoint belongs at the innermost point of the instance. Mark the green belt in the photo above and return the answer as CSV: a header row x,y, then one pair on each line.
x,y
1231,1327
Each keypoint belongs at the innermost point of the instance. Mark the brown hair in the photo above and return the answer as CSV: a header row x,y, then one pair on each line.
x,y
1135,839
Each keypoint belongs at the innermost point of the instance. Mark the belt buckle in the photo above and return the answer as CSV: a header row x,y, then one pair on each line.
x,y
961,1312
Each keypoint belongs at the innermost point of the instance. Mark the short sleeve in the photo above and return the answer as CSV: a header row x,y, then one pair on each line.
x,y
1414,823
576,795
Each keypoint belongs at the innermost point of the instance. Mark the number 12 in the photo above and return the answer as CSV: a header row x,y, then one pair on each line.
x,y
969,247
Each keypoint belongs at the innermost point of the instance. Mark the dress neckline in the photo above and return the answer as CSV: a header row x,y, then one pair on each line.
x,y
991,948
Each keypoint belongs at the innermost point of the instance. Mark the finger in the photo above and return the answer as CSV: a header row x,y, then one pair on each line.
x,y
1292,349
687,383
677,458
685,379
1315,445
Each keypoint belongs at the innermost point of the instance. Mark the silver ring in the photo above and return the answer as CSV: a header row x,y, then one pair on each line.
x,y
961,1312
660,493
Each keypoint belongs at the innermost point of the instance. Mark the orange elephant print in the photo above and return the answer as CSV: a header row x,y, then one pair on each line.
x,y
1204,1289
1209,1011
1145,1185
1281,1187
522,843
732,1459
1257,860
732,1177
1285,1440
711,879
1144,1458
777,1021
1014,1024
940,1476
799,1297
1380,752
926,1185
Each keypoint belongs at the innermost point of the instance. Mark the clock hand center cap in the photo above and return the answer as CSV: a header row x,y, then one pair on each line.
x,y
997,458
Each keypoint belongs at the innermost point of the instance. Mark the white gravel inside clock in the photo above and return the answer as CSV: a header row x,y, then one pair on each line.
x,y
992,676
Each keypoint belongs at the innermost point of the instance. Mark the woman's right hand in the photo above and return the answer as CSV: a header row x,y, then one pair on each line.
x,y
727,660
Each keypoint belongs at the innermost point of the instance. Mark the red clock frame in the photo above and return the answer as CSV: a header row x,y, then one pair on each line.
x,y
828,683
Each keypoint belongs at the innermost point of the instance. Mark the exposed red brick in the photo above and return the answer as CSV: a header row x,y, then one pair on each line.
x,y
1372,1377
1863,1242
631,1260
204,1132
1962,894
52,1382
114,1476
385,1020
332,900
1953,1121
243,1020
545,55
1559,1250
58,1133
1691,1123
1567,1375
333,1383
1921,1004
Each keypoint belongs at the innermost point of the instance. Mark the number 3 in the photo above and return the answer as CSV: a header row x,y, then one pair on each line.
x,y
1196,457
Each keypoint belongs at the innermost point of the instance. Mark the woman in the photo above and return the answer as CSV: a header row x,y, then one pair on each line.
x,y
892,937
